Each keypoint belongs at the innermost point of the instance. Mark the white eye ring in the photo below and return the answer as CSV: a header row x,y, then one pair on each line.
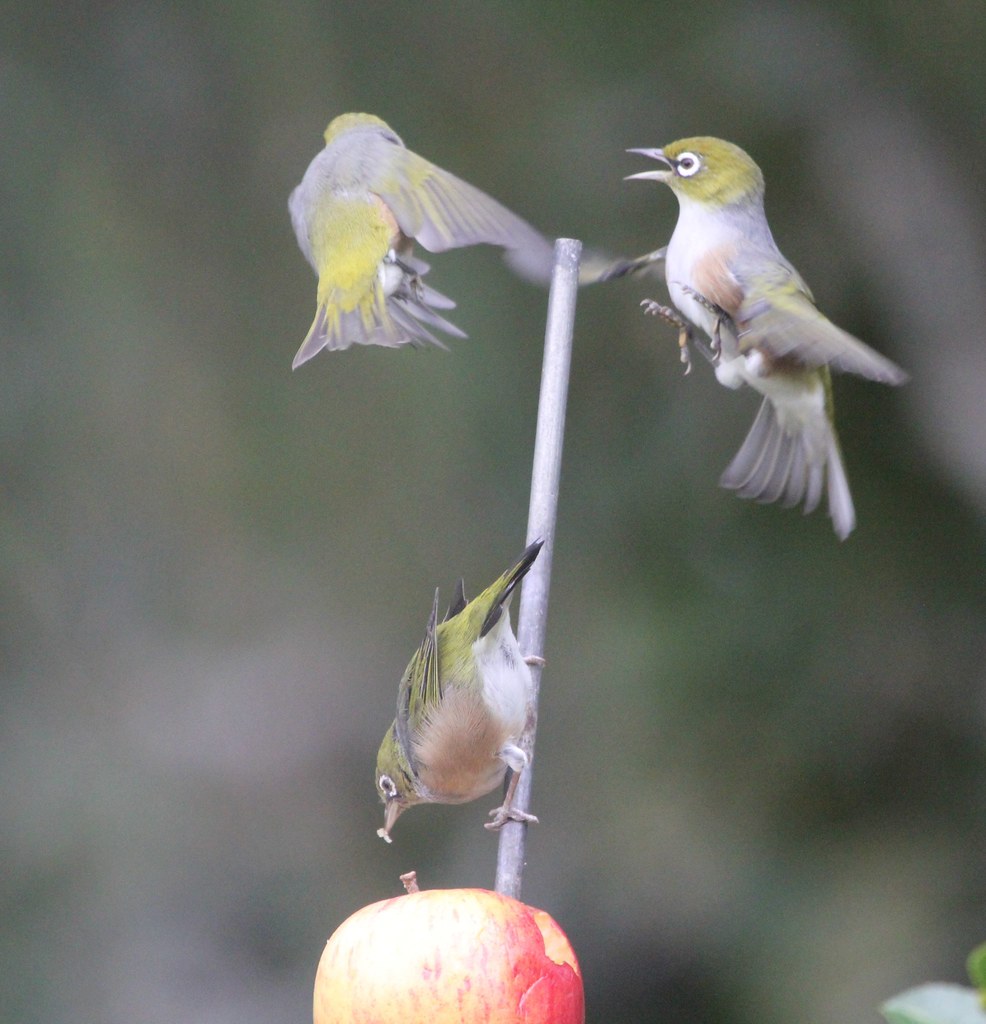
x,y
687,164
387,786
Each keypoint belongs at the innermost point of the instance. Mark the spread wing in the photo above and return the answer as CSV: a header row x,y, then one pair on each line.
x,y
790,325
444,212
787,324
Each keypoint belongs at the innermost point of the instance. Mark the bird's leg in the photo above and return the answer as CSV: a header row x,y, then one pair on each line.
x,y
721,317
535,659
504,813
411,277
668,315
517,760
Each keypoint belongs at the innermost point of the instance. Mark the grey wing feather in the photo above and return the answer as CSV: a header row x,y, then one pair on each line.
x,y
297,207
444,212
421,673
789,323
811,338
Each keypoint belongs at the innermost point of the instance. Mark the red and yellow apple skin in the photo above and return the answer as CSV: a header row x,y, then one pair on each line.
x,y
449,956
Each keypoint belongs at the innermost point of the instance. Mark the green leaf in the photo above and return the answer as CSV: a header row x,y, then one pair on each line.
x,y
935,1004
976,965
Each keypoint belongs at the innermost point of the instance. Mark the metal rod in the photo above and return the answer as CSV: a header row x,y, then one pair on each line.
x,y
542,516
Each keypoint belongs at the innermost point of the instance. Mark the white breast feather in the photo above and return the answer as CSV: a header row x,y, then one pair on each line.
x,y
506,677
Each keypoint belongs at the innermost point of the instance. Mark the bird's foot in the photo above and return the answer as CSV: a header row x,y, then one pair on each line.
x,y
517,759
535,659
715,349
668,315
412,275
602,270
415,286
501,815
716,311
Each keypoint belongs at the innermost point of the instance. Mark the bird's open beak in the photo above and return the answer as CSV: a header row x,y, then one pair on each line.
x,y
654,154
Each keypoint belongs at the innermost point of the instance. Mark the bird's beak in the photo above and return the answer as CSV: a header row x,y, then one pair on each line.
x,y
390,815
654,154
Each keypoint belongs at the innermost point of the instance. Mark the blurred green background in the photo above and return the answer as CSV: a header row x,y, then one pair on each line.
x,y
760,773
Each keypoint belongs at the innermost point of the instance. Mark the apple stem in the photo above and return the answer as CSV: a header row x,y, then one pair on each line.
x,y
410,880
542,517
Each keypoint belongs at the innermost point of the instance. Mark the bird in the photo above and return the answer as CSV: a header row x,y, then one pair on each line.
x,y
727,277
363,202
462,704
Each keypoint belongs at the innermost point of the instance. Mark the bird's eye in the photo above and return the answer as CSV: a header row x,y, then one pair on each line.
x,y
687,165
387,787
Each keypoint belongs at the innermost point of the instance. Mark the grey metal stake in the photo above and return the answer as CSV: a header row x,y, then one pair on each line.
x,y
542,516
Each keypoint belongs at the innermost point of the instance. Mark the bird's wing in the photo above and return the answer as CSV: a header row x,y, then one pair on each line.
x,y
298,205
421,687
789,325
444,212
778,316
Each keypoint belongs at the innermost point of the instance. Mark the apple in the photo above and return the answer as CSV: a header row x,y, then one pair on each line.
x,y
449,956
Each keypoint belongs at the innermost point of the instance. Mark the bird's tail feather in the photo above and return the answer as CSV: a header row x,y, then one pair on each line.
x,y
501,590
793,467
404,319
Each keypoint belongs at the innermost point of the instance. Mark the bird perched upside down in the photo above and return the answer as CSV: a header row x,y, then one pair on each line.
x,y
363,202
726,276
462,705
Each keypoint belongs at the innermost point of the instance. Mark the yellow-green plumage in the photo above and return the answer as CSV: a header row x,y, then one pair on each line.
x,y
362,203
352,240
346,122
730,175
727,277
462,704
